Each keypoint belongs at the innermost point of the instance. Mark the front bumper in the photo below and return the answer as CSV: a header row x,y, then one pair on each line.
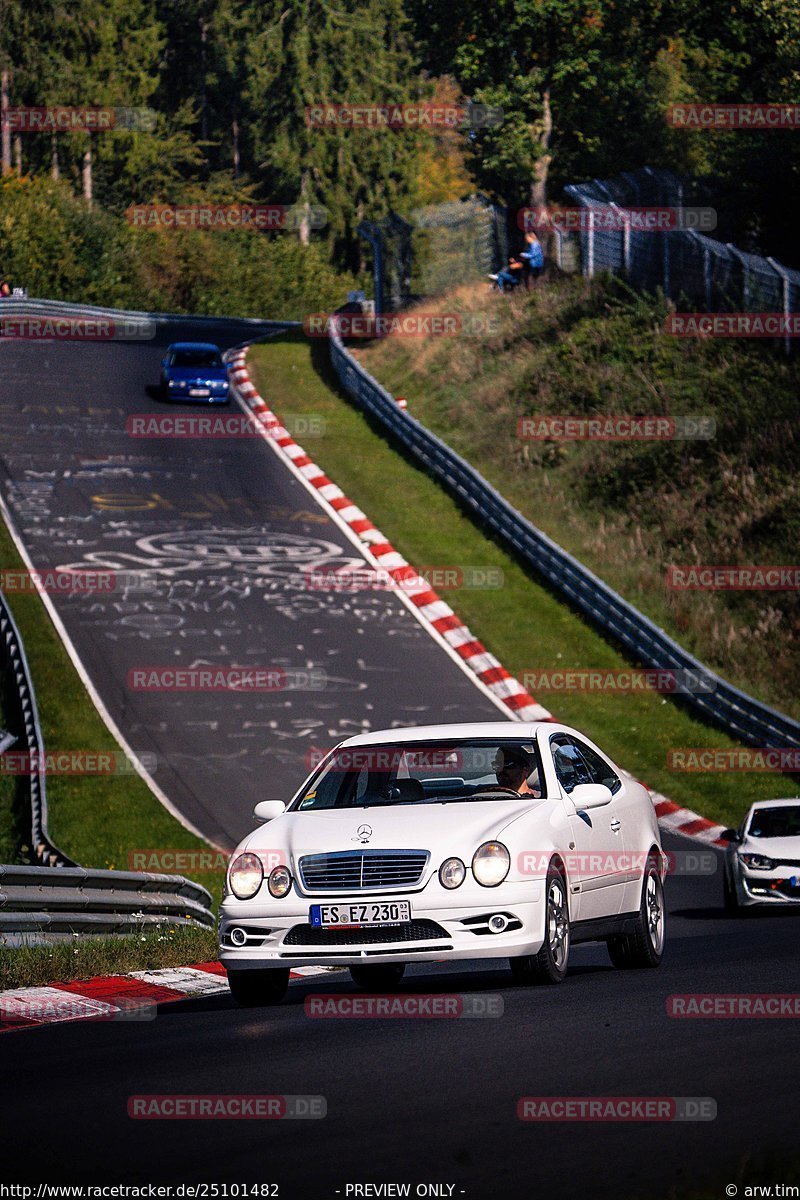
x,y
181,396
779,886
278,931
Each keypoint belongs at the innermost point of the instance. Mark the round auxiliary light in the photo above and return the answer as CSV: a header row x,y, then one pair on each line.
x,y
452,873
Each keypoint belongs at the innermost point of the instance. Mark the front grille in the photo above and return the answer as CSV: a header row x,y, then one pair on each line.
x,y
362,870
369,935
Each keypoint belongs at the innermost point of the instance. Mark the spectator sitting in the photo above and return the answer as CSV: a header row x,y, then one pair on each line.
x,y
5,289
510,277
533,257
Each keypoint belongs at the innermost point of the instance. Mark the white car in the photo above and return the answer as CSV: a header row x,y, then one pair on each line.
x,y
762,859
446,842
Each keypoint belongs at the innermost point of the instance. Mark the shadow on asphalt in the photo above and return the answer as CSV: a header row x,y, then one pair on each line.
x,y
750,914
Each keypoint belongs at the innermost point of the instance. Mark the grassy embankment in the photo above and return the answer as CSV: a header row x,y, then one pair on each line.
x,y
520,622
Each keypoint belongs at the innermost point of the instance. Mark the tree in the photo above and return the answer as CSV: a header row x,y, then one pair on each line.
x,y
313,53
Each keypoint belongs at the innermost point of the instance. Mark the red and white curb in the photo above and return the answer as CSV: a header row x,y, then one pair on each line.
x,y
433,612
131,997
431,609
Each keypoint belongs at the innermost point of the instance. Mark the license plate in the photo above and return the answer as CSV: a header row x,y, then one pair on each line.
x,y
332,916
199,392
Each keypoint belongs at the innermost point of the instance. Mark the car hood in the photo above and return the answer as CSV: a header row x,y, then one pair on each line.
x,y
451,828
190,373
776,848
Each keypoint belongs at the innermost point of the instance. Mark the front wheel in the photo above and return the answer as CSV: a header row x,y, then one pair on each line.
x,y
550,964
645,946
257,989
380,977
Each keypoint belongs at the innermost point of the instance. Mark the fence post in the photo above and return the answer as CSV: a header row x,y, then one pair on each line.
x,y
665,265
371,233
588,266
737,254
781,271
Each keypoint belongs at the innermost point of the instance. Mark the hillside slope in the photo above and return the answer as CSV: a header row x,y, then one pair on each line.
x,y
630,510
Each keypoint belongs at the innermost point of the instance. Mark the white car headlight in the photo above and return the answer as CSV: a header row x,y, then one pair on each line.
x,y
279,882
245,876
491,863
452,873
757,862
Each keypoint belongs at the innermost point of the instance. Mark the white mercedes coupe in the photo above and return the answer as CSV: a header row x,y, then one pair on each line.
x,y
446,842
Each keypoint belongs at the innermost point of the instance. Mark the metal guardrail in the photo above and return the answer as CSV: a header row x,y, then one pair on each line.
x,y
739,714
21,700
67,900
15,306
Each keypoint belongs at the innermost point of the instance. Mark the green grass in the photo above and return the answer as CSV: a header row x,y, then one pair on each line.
x,y
83,958
522,623
96,820
628,510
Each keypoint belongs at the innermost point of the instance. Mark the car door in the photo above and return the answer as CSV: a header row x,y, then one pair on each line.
x,y
599,877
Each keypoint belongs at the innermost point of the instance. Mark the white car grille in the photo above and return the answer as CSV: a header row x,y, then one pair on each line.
x,y
362,870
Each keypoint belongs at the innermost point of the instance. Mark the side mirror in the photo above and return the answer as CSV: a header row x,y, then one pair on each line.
x,y
730,835
590,795
165,362
268,810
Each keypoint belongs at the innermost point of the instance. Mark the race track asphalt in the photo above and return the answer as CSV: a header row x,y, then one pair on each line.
x,y
216,552
415,1100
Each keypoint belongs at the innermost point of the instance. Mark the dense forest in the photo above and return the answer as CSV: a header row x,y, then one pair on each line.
x,y
223,89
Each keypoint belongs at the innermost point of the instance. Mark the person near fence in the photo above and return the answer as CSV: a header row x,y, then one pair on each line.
x,y
533,258
511,276
5,288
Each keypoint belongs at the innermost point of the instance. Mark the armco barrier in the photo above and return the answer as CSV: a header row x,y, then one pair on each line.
x,y
738,714
67,900
17,307
20,701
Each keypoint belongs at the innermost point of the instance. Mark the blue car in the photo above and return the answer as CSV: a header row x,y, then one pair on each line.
x,y
195,373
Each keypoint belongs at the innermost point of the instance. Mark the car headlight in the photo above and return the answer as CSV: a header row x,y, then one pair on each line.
x,y
245,876
279,882
490,863
452,873
757,862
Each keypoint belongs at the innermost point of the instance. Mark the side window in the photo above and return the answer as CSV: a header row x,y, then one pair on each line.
x,y
570,766
599,770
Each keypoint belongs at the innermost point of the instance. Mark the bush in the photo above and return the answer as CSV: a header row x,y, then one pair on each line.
x,y
55,247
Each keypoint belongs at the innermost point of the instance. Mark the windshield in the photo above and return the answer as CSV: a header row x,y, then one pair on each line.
x,y
776,822
424,773
196,358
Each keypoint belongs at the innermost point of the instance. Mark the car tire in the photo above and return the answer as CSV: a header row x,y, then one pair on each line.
x,y
257,989
645,946
549,966
379,977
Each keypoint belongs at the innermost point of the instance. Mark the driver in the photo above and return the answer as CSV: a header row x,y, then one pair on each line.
x,y
513,765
